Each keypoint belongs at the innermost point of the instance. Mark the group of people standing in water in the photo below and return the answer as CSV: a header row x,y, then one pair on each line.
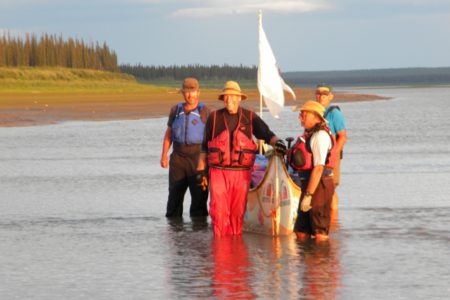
x,y
215,151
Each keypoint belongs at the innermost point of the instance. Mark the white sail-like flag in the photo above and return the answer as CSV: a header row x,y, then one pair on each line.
x,y
270,84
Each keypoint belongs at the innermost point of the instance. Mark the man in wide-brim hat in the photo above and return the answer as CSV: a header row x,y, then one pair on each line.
x,y
314,157
229,151
185,129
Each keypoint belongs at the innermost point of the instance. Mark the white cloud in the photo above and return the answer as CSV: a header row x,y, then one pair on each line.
x,y
224,7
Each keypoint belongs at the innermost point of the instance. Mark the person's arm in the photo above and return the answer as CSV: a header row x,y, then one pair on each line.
x,y
201,165
341,138
274,140
167,142
207,136
314,180
320,144
262,131
340,128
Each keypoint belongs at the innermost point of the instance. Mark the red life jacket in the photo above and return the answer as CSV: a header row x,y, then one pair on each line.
x,y
243,153
300,155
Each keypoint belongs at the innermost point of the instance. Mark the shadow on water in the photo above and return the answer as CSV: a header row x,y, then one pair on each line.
x,y
321,270
194,224
249,266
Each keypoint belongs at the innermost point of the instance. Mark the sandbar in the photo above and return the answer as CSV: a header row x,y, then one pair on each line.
x,y
41,108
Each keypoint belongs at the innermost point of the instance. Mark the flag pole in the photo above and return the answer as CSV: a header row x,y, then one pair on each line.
x,y
260,95
261,142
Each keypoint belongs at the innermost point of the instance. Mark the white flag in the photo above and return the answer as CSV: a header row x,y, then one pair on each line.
x,y
270,84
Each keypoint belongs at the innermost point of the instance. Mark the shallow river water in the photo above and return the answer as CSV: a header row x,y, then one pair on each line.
x,y
82,215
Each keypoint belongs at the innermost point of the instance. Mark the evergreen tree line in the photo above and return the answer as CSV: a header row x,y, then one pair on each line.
x,y
201,72
53,51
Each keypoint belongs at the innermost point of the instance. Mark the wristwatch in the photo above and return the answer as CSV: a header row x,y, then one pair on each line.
x,y
308,194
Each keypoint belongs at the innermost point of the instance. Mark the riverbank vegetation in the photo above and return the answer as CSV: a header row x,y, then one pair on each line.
x,y
68,80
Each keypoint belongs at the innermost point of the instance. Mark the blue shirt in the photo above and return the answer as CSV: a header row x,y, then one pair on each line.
x,y
336,120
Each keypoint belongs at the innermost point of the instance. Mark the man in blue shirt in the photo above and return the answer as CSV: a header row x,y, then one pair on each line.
x,y
336,122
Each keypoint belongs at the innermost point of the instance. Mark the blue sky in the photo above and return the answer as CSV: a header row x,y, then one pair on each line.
x,y
306,35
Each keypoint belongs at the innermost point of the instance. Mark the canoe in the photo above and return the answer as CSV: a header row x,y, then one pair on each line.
x,y
272,205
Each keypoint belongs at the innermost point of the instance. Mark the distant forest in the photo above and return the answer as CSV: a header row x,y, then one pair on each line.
x,y
54,51
401,76
371,77
201,72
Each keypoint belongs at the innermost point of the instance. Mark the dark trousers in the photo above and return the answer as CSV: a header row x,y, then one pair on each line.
x,y
182,172
317,219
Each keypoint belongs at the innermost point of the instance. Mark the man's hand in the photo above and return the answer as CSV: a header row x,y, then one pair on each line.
x,y
164,162
280,147
306,203
202,180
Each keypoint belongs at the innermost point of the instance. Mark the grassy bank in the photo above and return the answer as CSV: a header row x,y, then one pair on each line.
x,y
65,80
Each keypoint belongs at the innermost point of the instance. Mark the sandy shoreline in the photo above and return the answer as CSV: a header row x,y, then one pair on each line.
x,y
49,108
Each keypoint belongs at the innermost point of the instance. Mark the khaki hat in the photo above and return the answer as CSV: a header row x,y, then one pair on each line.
x,y
190,84
232,88
312,106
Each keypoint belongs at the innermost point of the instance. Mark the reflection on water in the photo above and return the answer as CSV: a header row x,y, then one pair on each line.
x,y
82,215
322,271
250,266
232,273
334,221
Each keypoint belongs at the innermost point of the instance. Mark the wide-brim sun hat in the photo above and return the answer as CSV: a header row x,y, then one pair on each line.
x,y
311,106
232,88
